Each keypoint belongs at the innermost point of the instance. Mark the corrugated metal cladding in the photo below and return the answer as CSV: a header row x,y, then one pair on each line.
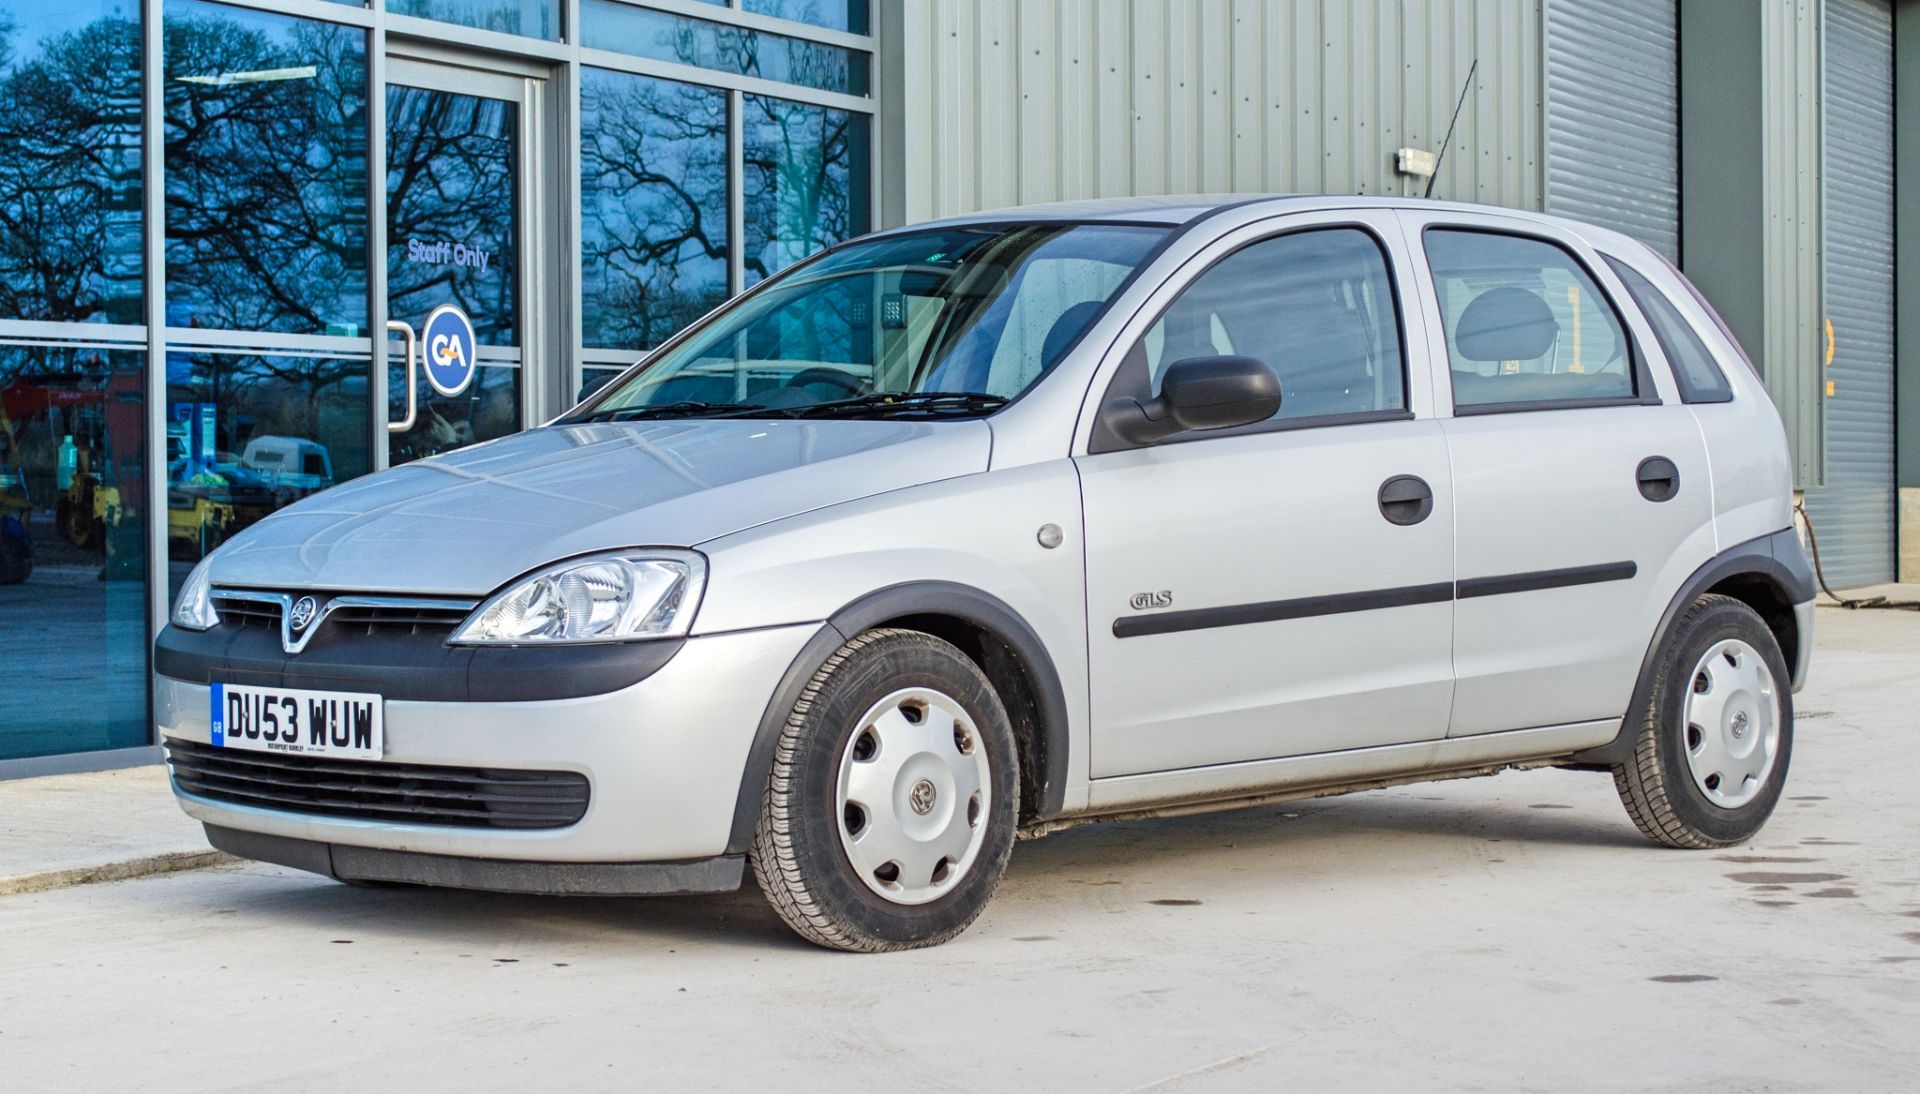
x,y
1613,116
1009,102
1854,512
1790,153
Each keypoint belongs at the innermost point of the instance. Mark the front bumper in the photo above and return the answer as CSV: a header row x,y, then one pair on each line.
x,y
664,757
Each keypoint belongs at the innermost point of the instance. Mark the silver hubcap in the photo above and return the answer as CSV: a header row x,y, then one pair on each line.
x,y
914,791
1732,723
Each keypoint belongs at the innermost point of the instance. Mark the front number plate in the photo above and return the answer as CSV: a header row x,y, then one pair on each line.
x,y
341,724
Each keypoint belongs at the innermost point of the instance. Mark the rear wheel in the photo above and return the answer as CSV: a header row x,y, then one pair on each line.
x,y
1716,734
890,812
16,552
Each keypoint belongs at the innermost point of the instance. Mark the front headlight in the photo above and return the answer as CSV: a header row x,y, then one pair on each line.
x,y
194,609
602,598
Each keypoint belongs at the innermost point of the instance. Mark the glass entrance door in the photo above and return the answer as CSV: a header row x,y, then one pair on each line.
x,y
462,231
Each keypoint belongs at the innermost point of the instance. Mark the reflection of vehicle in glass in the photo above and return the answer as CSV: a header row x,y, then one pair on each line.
x,y
289,462
211,505
16,544
1019,520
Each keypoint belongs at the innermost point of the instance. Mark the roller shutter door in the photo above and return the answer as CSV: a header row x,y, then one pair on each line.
x,y
1854,512
1613,122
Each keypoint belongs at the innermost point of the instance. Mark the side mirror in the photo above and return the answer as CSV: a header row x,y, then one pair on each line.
x,y
1199,393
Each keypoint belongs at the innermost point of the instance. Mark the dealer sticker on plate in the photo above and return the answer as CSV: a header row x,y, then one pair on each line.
x,y
341,724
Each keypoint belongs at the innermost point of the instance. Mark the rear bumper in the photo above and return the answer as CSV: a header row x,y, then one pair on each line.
x,y
347,862
664,758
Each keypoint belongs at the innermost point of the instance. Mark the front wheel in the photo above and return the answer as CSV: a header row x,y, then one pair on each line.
x,y
1716,734
889,816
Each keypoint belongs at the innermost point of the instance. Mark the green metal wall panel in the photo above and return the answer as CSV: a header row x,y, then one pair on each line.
x,y
1853,511
1007,102
1790,150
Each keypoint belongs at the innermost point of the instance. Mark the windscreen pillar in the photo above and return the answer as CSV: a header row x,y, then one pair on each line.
x,y
1749,193
1906,279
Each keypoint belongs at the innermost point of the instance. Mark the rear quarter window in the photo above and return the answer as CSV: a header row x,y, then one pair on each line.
x,y
1695,371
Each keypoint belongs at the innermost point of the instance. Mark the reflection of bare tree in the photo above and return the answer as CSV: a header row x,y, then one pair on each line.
x,y
805,185
70,175
654,206
266,174
451,178
835,14
506,16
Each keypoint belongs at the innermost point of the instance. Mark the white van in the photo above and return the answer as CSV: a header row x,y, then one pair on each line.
x,y
289,462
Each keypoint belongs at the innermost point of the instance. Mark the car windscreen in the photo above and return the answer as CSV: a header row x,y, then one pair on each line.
x,y
946,321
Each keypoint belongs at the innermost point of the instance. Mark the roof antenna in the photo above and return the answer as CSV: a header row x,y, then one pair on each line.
x,y
1442,157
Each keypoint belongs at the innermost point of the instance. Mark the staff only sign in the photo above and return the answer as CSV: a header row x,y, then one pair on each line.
x,y
440,252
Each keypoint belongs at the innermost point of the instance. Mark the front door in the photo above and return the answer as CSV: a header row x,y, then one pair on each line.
x,y
466,232
1284,588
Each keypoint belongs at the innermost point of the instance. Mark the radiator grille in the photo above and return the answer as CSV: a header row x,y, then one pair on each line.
x,y
460,797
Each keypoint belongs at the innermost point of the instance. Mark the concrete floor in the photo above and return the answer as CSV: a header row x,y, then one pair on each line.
x,y
1512,933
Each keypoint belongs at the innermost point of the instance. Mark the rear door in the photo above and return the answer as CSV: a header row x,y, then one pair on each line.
x,y
1250,594
1581,487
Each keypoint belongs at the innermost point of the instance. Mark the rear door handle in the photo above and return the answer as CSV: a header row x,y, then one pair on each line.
x,y
1659,479
1406,499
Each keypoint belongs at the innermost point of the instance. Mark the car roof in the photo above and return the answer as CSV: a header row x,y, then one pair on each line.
x,y
1180,209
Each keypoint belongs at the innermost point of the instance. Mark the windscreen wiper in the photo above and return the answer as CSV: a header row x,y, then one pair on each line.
x,y
686,408
888,403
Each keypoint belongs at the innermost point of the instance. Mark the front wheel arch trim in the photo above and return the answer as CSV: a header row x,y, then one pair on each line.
x,y
893,602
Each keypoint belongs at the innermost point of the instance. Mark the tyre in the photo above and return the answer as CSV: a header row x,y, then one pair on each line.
x,y
16,552
75,524
1716,734
890,812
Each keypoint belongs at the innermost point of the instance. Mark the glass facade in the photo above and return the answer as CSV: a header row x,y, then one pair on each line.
x,y
198,264
70,162
266,171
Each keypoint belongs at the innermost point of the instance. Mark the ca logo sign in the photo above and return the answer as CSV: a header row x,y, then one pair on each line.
x,y
449,339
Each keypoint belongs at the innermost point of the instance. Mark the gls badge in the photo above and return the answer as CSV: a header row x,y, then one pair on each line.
x,y
1142,601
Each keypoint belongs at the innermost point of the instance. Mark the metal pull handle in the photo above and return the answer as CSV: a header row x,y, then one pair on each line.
x,y
1406,499
1659,479
394,326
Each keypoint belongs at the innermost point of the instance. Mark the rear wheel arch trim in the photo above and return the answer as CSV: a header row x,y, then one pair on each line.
x,y
881,606
1776,558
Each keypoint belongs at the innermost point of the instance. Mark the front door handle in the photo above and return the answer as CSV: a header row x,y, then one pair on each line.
x,y
1659,479
1406,499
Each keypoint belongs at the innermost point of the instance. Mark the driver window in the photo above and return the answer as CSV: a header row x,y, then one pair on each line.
x,y
1524,322
1316,305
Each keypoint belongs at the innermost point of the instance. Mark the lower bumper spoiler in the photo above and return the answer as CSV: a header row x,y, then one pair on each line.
x,y
349,863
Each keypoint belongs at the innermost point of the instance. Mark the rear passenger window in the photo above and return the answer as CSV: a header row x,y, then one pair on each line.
x,y
1316,305
1525,324
1694,369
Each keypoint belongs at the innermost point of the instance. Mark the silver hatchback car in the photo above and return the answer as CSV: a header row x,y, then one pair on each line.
x,y
983,527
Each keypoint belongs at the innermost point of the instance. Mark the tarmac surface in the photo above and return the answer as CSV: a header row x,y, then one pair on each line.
x,y
1511,933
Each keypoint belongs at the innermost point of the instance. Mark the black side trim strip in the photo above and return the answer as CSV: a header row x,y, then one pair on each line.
x,y
1306,607
1273,611
1547,579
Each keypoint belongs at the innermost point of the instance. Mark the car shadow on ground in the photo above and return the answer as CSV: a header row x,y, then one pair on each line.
x,y
1405,830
